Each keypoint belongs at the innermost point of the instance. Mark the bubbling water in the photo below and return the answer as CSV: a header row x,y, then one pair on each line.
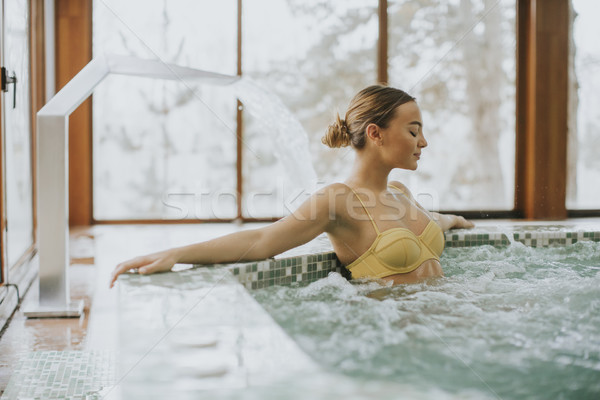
x,y
513,322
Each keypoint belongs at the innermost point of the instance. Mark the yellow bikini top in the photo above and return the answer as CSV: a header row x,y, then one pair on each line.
x,y
397,250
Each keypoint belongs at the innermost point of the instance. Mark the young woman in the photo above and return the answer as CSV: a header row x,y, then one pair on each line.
x,y
376,227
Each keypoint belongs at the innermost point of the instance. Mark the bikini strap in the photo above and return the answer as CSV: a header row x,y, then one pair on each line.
x,y
367,211
397,188
403,193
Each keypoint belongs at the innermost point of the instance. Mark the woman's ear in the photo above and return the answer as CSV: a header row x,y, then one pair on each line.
x,y
373,132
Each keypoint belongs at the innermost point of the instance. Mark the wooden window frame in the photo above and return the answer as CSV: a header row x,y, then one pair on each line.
x,y
541,112
73,19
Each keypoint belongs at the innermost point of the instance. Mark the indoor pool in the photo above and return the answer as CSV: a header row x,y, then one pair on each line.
x,y
514,322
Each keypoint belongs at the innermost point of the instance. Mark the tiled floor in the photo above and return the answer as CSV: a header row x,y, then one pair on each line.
x,y
26,335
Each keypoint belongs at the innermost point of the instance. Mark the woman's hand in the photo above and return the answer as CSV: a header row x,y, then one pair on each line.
x,y
148,264
450,221
461,222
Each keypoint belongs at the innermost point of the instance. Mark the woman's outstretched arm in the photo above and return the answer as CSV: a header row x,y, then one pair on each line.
x,y
311,219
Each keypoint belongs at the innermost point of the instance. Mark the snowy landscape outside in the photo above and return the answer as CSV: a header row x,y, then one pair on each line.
x,y
168,149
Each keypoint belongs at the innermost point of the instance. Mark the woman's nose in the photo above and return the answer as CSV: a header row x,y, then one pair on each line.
x,y
422,142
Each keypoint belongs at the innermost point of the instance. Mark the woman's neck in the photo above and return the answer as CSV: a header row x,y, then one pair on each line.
x,y
368,173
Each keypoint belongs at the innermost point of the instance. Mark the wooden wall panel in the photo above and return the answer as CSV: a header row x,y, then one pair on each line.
x,y
542,100
73,52
382,43
38,87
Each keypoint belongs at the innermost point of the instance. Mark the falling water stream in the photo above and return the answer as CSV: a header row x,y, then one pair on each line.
x,y
280,126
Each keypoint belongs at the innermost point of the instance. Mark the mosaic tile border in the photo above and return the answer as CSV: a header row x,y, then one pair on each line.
x,y
538,238
545,239
285,271
310,268
464,239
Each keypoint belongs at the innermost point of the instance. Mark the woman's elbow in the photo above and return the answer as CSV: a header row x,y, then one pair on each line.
x,y
263,247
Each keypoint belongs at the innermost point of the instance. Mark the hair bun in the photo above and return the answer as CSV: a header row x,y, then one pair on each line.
x,y
337,134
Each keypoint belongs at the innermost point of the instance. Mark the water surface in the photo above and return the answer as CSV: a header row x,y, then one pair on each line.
x,y
514,322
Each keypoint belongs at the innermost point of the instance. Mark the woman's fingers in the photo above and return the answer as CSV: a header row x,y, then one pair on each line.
x,y
149,264
466,223
156,266
461,222
126,266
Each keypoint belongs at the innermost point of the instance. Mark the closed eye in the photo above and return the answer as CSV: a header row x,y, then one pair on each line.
x,y
412,133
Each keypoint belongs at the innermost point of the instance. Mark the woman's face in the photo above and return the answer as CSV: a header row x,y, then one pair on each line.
x,y
403,140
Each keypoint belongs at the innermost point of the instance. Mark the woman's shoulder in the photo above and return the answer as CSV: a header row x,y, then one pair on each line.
x,y
333,197
335,188
402,187
330,195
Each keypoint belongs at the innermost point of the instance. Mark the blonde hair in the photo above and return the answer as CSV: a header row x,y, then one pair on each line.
x,y
374,104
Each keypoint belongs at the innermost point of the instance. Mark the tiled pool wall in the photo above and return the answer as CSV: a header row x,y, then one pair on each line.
x,y
311,267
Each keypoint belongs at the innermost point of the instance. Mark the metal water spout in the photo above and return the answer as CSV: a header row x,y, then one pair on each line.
x,y
52,169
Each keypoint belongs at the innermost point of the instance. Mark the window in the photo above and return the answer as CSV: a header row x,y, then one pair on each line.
x,y
583,190
458,59
18,184
160,147
313,55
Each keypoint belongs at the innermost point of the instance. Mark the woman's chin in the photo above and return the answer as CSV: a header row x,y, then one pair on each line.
x,y
408,167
